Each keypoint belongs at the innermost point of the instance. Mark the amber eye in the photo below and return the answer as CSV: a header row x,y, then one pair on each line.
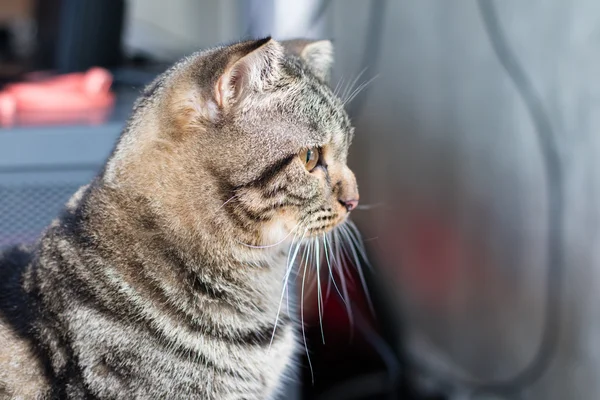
x,y
310,158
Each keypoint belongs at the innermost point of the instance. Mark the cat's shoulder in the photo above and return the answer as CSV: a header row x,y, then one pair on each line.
x,y
13,261
21,374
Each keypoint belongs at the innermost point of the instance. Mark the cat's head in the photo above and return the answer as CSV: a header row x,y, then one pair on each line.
x,y
245,141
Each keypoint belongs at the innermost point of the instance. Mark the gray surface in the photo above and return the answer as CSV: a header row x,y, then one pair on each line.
x,y
51,147
40,168
446,133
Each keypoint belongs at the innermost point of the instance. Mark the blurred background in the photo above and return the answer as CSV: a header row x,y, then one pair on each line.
x,y
475,153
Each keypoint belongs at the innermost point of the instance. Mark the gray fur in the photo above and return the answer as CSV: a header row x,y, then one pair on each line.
x,y
148,285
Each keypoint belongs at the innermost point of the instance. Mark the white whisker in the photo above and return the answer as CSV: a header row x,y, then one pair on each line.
x,y
343,267
312,375
359,89
351,85
342,275
319,294
289,267
338,86
344,231
231,198
328,266
312,276
371,239
327,243
285,285
305,256
369,206
356,239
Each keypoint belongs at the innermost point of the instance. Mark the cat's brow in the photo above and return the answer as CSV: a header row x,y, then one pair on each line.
x,y
270,171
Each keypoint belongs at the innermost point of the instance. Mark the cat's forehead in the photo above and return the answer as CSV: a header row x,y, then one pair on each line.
x,y
302,113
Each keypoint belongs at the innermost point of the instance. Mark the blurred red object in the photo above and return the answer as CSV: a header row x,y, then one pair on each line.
x,y
71,98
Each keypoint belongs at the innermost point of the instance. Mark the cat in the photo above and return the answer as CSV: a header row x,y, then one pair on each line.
x,y
162,278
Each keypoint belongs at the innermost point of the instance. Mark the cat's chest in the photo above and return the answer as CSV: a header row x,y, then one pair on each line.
x,y
136,364
253,372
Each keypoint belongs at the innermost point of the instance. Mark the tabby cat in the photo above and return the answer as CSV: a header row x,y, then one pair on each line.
x,y
162,278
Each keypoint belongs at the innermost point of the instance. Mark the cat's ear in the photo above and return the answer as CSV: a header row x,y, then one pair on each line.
x,y
317,54
253,68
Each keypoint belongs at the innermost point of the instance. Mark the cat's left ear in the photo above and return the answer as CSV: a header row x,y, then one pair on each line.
x,y
317,54
255,66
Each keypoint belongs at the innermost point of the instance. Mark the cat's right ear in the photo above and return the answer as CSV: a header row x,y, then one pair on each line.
x,y
317,54
253,68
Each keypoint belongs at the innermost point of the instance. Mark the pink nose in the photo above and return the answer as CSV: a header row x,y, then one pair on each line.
x,y
349,204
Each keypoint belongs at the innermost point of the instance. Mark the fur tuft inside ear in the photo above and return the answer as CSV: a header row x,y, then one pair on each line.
x,y
255,69
318,55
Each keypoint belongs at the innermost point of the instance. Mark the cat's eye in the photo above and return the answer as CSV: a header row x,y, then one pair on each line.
x,y
310,158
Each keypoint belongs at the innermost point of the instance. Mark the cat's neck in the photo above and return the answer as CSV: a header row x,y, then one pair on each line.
x,y
145,252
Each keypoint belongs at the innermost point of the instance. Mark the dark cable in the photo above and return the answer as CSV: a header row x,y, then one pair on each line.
x,y
554,180
511,387
383,349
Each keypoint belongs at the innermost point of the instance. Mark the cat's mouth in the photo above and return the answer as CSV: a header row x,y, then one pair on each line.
x,y
325,224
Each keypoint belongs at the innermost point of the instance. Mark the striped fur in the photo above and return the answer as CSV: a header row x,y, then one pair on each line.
x,y
153,283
